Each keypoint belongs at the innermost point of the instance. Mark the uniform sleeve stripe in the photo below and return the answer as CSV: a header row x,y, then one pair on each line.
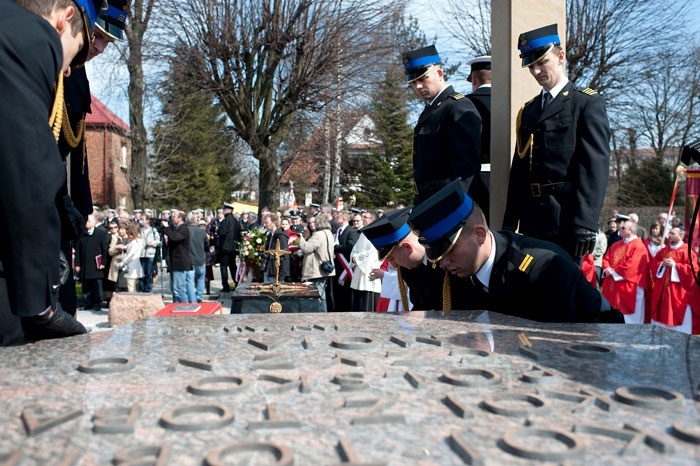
x,y
525,263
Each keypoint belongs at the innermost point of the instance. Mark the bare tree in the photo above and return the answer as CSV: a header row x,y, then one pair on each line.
x,y
607,40
469,23
266,60
140,13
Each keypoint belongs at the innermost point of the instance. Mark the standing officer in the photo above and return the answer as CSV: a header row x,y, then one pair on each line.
x,y
447,137
75,202
229,242
560,167
480,77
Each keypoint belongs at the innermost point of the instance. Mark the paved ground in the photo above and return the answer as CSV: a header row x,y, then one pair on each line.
x,y
97,320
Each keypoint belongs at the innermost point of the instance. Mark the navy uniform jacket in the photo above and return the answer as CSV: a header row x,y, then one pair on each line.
x,y
535,280
481,98
229,234
31,171
425,286
77,96
569,159
447,146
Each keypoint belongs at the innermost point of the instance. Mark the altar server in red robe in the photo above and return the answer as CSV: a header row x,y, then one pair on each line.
x,y
675,301
626,274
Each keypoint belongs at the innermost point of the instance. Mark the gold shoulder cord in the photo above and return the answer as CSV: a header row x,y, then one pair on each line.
x,y
446,293
72,138
402,290
522,151
56,117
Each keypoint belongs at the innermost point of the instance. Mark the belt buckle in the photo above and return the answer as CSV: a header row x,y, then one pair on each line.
x,y
536,189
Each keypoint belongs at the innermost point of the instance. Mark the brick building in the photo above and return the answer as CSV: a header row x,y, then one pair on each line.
x,y
109,157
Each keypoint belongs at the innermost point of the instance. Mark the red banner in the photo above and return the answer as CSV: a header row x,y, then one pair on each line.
x,y
692,191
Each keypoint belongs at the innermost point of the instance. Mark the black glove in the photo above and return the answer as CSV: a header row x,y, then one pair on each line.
x,y
72,220
64,268
584,241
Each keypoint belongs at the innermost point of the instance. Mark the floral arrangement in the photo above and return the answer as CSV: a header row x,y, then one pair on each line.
x,y
253,250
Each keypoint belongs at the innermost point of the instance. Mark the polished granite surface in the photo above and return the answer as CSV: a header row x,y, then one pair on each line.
x,y
354,388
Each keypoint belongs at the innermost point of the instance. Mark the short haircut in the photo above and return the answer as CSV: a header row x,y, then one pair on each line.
x,y
44,8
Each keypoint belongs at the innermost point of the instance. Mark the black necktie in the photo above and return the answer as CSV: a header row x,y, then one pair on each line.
x,y
547,100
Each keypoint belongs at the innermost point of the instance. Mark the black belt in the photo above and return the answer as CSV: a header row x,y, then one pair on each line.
x,y
432,185
544,189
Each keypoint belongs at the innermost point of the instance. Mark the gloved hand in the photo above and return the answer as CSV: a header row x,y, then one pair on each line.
x,y
72,219
64,268
584,241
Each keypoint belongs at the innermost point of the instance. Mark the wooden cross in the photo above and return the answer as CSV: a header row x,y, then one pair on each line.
x,y
278,253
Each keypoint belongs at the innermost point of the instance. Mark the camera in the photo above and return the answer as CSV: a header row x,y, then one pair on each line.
x,y
691,153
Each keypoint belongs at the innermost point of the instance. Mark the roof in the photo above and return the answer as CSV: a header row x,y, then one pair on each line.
x,y
102,116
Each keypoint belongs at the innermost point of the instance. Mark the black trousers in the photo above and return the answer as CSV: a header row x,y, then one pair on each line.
x,y
11,332
227,262
92,293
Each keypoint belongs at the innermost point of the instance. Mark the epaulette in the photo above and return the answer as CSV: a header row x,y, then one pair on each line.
x,y
457,96
521,260
588,91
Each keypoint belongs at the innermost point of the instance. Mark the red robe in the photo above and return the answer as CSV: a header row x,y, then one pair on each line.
x,y
670,299
589,271
631,261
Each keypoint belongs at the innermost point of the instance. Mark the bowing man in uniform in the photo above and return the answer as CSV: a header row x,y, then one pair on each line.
x,y
502,271
675,300
447,137
75,201
560,168
395,242
626,274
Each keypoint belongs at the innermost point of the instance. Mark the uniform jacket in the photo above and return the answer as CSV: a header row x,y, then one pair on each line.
x,y
318,248
31,171
179,248
76,91
89,247
570,146
481,98
535,280
425,286
229,234
447,144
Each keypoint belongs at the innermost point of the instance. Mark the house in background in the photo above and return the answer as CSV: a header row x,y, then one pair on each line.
x,y
109,157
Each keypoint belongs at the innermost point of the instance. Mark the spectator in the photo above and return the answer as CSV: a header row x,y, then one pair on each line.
x,y
108,286
345,239
151,243
117,249
318,249
641,231
199,245
295,261
275,234
131,262
177,238
90,259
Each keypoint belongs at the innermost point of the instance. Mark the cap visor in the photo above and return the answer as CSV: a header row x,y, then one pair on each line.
x,y
441,247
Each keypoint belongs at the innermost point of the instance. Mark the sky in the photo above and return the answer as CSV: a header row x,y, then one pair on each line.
x,y
109,81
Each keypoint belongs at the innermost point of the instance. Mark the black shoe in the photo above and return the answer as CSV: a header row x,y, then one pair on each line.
x,y
57,324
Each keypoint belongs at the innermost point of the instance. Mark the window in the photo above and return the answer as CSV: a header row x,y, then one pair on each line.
x,y
122,158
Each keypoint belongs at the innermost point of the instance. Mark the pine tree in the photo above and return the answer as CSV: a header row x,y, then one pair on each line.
x,y
194,157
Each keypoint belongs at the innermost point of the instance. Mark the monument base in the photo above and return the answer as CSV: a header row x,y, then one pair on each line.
x,y
255,298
